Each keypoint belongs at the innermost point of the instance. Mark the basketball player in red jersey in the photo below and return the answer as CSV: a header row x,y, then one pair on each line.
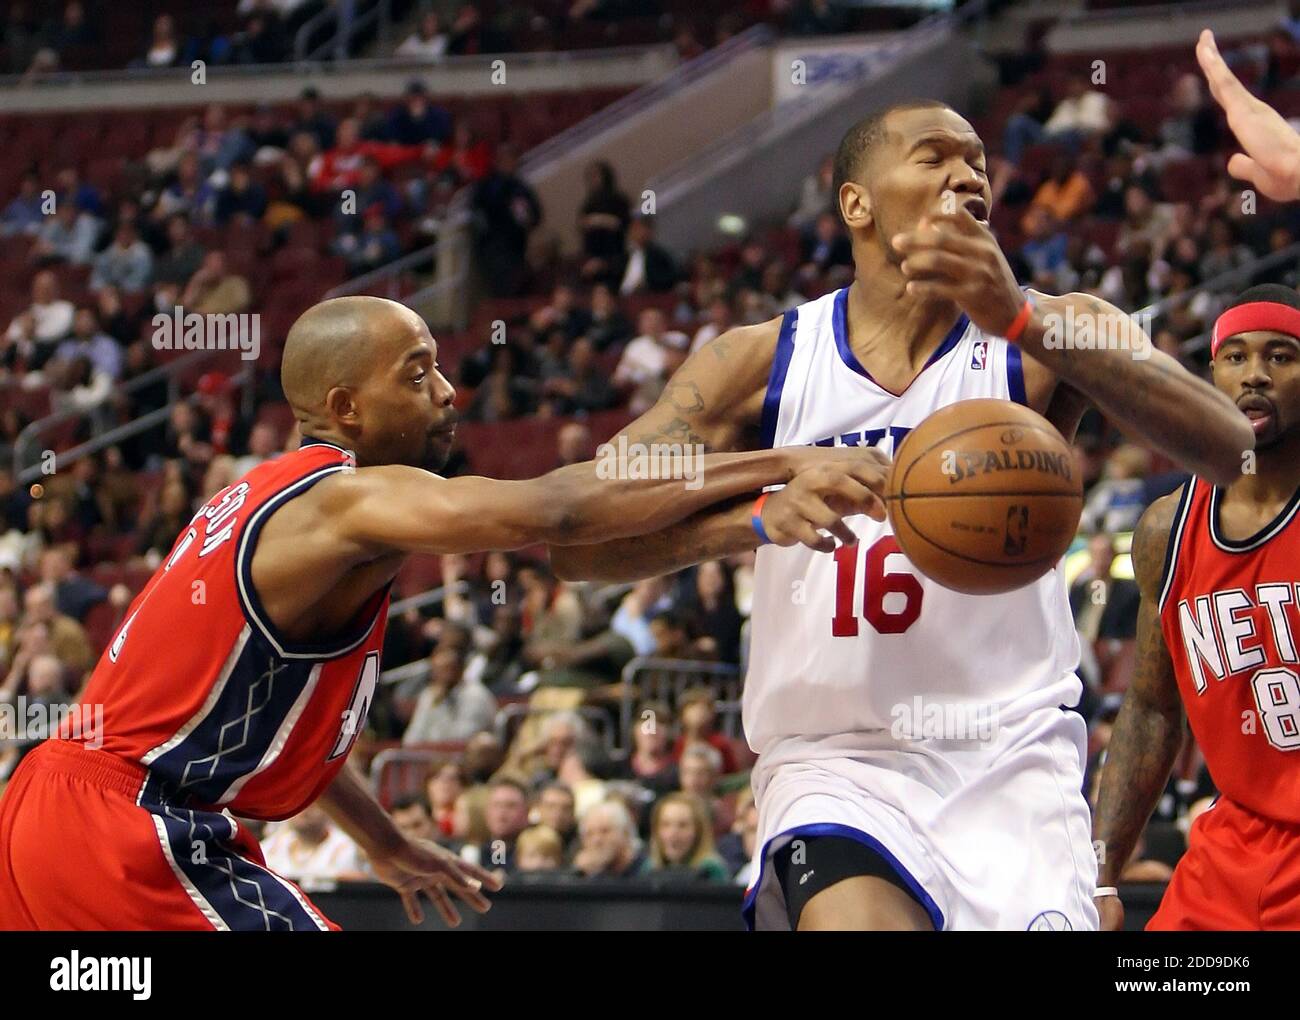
x,y
1218,633
243,671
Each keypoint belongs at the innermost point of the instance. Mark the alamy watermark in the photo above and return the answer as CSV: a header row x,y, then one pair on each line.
x,y
924,719
28,721
189,331
634,461
1099,331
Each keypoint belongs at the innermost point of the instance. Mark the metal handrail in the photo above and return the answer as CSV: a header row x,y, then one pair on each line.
x,y
253,72
381,10
114,435
426,598
563,144
1233,279
169,372
685,667
1223,281
735,145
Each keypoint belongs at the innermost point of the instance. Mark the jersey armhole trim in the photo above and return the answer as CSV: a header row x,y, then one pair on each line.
x,y
255,613
776,378
1175,540
1016,375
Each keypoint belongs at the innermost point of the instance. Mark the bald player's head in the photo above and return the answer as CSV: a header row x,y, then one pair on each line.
x,y
361,372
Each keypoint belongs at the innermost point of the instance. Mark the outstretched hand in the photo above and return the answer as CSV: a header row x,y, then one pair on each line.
x,y
1271,157
420,866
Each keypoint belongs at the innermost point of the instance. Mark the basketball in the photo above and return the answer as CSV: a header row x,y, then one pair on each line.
x,y
984,496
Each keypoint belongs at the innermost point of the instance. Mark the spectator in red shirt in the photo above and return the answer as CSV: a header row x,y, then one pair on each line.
x,y
467,159
340,167
697,715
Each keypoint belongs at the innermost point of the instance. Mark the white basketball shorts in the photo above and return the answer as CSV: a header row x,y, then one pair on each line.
x,y
994,834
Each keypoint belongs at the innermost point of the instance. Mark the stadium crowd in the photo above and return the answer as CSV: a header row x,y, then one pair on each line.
x,y
532,751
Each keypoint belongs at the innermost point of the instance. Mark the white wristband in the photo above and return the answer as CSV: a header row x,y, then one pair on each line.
x,y
1105,890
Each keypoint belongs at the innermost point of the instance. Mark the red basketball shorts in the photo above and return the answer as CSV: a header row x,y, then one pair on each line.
x,y
1241,872
81,847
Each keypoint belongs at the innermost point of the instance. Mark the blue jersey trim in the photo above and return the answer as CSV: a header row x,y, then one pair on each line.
x,y
840,327
776,379
1016,374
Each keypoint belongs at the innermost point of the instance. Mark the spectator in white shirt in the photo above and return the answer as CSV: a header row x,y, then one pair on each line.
x,y
649,360
427,42
46,321
308,849
1082,112
450,707
126,264
719,321
263,444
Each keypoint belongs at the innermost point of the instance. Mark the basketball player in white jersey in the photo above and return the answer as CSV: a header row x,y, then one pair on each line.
x,y
870,815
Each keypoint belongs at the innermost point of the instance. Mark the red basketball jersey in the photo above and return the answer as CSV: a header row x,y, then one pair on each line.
x,y
200,688
1230,617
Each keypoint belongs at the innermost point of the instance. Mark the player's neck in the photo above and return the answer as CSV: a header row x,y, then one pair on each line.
x,y
882,314
1276,474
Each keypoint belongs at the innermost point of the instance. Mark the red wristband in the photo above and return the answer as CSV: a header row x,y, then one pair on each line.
x,y
756,519
1021,320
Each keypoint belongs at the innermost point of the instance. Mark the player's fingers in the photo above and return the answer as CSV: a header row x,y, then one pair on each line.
x,y
1226,88
440,900
873,476
934,264
466,874
943,237
472,898
863,499
1246,169
805,534
816,512
411,901
933,289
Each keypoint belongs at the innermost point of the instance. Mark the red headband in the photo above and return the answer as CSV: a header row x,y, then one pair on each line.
x,y
1257,315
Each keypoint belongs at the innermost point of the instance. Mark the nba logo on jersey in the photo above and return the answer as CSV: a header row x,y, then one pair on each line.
x,y
979,354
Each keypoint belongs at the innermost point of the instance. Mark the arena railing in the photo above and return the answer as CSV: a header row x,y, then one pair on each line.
x,y
1285,260
29,454
619,112
754,166
647,678
338,41
445,299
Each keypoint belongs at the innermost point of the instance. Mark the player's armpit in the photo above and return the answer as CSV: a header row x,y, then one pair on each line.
x,y
713,400
1148,732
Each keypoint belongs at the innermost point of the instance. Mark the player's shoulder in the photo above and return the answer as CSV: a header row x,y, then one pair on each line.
x,y
726,373
1151,539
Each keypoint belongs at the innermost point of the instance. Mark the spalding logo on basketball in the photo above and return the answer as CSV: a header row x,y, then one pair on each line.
x,y
1050,920
984,496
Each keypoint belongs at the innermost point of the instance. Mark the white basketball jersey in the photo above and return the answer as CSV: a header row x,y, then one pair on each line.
x,y
846,643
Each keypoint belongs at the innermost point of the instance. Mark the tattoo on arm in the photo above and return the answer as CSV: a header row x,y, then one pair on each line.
x,y
1148,733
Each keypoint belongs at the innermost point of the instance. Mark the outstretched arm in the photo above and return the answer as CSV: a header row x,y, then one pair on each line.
x,y
374,511
1149,730
716,398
